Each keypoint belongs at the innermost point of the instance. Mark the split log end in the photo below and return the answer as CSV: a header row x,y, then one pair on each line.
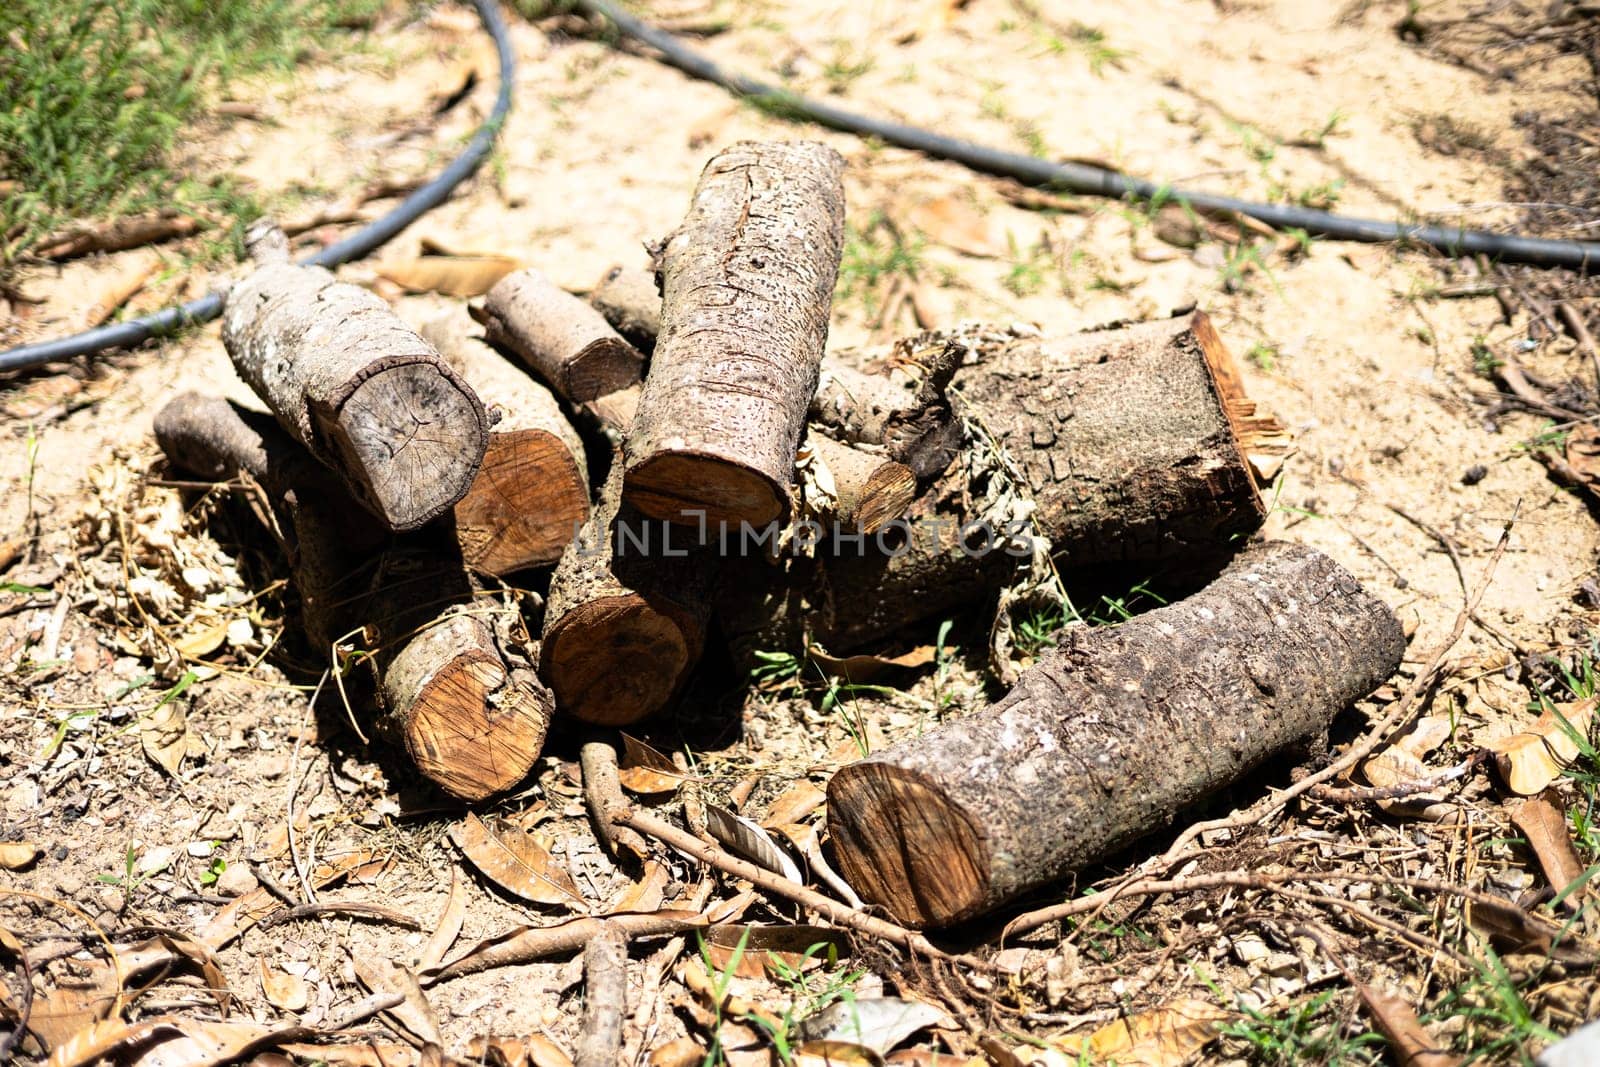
x,y
688,487
472,726
409,435
529,497
902,844
616,660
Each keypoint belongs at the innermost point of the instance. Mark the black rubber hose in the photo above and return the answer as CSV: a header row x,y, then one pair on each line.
x,y
358,244
1080,178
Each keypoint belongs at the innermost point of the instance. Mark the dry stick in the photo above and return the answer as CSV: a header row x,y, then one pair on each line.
x,y
832,910
1272,804
869,490
339,907
603,793
1511,373
1032,920
1579,329
532,491
1359,794
539,942
354,385
605,998
747,280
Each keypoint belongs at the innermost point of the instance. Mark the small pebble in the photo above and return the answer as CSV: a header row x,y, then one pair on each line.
x,y
1474,474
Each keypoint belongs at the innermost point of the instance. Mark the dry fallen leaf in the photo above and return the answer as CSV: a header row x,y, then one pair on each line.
x,y
448,928
1413,1046
1530,761
876,1023
365,1054
645,771
1583,454
15,855
956,224
166,738
462,276
648,893
794,805
798,948
679,1052
1517,930
866,668
833,1054
534,1050
516,862
1546,830
168,1041
413,1018
927,1057
747,840
290,992
1164,1037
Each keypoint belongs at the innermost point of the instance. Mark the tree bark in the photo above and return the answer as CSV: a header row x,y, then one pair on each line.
x,y
747,284
460,696
532,492
354,385
1120,448
630,301
626,616
1110,737
567,343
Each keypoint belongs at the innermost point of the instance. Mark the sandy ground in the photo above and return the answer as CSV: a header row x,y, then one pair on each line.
x,y
1350,346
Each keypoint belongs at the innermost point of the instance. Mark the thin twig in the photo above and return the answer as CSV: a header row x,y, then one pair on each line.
x,y
1263,880
830,909
339,907
1572,318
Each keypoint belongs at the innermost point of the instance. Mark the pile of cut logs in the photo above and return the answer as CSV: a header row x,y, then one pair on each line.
x,y
682,449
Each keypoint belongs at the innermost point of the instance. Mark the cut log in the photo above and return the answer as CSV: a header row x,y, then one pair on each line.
x,y
1110,737
626,617
354,385
747,284
532,492
868,490
563,340
1119,447
460,696
631,303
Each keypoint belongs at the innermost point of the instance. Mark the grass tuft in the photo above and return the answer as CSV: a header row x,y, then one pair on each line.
x,y
95,96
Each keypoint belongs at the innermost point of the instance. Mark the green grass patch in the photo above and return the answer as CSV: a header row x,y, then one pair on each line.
x,y
95,96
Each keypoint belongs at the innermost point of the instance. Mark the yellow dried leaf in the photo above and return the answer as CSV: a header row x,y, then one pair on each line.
x,y
1164,1037
679,1052
515,862
795,805
1530,761
451,275
202,642
648,893
166,739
